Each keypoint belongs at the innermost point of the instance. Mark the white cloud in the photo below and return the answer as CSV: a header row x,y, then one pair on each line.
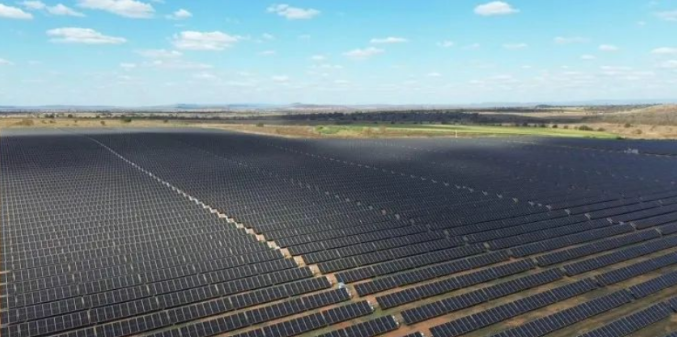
x,y
473,46
446,44
4,62
9,12
127,8
664,51
327,66
389,40
365,53
495,8
166,59
668,15
127,66
33,5
205,76
588,57
63,11
159,53
570,40
434,74
670,64
212,41
59,9
608,47
267,36
82,35
181,14
268,53
515,46
318,58
293,13
178,64
280,78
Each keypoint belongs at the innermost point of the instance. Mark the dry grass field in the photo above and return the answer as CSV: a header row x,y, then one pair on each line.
x,y
652,122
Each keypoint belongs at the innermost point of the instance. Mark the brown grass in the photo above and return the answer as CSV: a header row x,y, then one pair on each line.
x,y
626,129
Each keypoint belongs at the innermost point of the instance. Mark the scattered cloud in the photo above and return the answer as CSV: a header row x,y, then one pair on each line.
x,y
82,35
388,40
127,8
210,41
664,51
473,46
33,5
515,46
268,53
62,10
588,57
434,74
181,14
318,58
59,9
127,66
159,53
361,54
293,13
327,66
267,36
280,79
9,12
178,64
667,15
608,48
570,40
446,44
495,8
670,64
205,76
304,37
4,62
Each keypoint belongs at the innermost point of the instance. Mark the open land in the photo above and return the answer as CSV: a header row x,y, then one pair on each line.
x,y
627,122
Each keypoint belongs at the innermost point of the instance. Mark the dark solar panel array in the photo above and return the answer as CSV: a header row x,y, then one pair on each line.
x,y
202,233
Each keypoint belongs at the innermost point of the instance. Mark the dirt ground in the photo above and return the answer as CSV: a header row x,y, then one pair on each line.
x,y
624,130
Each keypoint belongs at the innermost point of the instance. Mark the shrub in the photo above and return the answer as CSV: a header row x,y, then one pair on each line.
x,y
260,125
126,119
103,122
601,129
555,126
25,122
585,128
627,125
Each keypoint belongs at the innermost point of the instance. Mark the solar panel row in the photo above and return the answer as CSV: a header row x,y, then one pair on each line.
x,y
114,237
408,295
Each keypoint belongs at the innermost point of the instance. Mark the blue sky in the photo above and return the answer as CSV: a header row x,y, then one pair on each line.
x,y
155,52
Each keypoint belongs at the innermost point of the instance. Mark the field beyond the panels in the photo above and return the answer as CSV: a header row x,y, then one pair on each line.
x,y
181,232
